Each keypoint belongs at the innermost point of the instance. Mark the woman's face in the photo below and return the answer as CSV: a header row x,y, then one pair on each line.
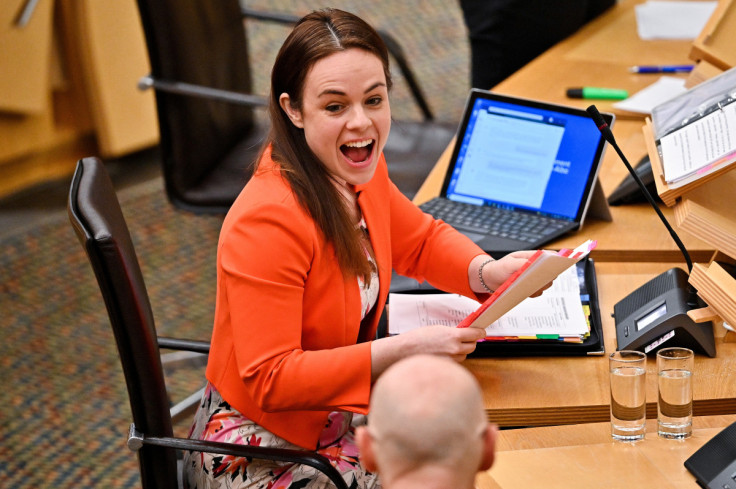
x,y
345,113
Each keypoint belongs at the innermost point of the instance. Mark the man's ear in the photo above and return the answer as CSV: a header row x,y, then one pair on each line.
x,y
365,448
295,115
489,447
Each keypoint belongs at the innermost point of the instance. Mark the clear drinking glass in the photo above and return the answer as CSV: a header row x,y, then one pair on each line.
x,y
628,371
675,386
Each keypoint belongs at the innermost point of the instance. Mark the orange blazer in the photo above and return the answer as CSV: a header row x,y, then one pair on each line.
x,y
285,346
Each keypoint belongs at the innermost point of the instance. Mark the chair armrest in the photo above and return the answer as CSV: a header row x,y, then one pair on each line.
x,y
136,440
193,90
392,45
183,344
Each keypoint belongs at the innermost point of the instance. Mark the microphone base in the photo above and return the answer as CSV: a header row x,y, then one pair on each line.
x,y
654,316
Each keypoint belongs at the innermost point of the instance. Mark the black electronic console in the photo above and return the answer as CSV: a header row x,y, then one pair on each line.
x,y
628,192
714,464
655,315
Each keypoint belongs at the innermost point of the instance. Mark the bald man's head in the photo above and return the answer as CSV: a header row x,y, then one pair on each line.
x,y
427,409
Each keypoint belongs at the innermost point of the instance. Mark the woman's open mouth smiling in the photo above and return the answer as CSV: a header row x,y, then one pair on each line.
x,y
358,153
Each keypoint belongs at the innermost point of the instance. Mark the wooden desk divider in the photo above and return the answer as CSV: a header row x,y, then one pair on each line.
x,y
717,288
702,71
703,315
707,213
715,43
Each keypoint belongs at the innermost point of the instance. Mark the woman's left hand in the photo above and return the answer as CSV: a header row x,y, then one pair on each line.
x,y
497,272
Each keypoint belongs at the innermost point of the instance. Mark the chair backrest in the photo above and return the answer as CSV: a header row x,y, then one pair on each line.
x,y
98,221
202,43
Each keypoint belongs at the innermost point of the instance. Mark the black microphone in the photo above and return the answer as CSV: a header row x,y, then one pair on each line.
x,y
608,136
655,316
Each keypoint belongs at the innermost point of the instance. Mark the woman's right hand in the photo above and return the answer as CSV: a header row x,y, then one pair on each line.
x,y
455,343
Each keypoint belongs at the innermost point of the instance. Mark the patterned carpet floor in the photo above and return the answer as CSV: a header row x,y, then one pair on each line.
x,y
64,412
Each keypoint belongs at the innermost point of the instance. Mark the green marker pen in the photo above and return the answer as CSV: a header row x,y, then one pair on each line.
x,y
599,93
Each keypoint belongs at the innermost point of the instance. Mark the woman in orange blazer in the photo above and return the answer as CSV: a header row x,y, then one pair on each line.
x,y
304,265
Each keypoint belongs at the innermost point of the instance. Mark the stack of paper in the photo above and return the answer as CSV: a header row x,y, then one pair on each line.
x,y
509,315
558,314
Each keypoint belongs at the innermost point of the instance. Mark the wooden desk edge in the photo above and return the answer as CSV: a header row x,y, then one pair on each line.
x,y
572,415
554,437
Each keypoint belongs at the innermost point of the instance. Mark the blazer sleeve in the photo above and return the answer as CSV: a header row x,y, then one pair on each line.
x,y
428,249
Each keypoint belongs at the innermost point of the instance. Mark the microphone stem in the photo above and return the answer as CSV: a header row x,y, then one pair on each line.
x,y
656,208
692,300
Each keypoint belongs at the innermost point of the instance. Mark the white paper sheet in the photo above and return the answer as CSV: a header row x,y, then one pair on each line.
x,y
657,93
672,19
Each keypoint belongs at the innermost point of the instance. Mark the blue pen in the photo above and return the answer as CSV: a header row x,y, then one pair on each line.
x,y
662,69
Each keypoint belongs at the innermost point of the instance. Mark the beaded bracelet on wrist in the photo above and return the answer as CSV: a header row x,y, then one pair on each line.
x,y
480,275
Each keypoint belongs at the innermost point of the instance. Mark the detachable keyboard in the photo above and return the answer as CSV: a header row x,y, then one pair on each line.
x,y
504,223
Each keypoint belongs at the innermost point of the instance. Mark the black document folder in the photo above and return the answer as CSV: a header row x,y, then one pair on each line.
x,y
592,345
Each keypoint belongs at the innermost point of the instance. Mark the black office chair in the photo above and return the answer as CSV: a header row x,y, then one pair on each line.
x,y
98,221
210,135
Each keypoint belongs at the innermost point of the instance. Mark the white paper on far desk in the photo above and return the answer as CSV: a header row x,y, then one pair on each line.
x,y
657,93
557,311
672,20
700,147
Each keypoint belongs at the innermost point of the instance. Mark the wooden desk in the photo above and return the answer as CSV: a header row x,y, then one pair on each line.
x,y
599,55
585,456
538,391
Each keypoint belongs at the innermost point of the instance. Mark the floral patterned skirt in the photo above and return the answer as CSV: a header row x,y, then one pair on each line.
x,y
217,421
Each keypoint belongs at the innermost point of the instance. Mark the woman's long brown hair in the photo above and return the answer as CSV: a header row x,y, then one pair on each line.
x,y
316,36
